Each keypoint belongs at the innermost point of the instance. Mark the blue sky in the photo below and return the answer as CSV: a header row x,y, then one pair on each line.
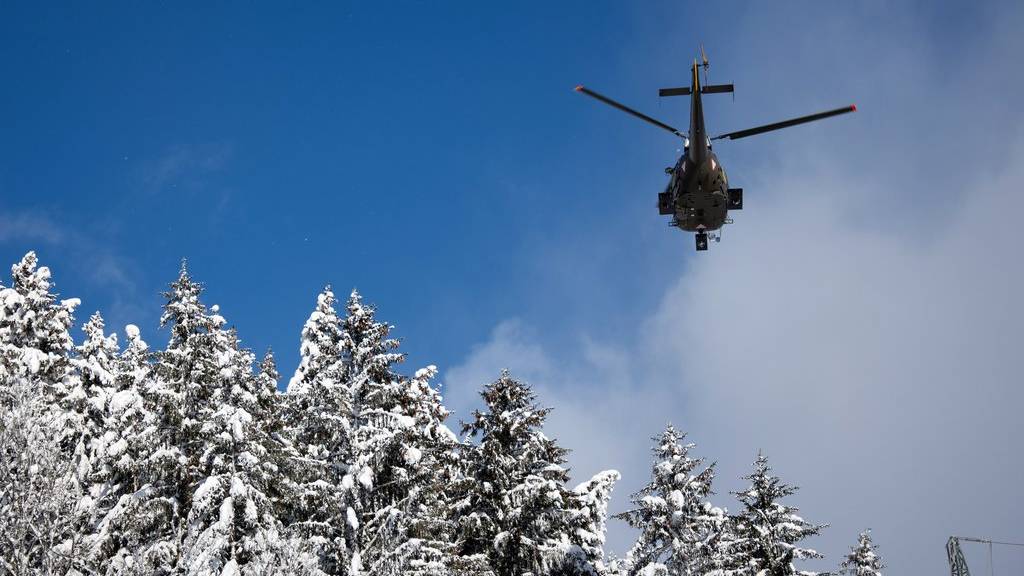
x,y
436,157
425,156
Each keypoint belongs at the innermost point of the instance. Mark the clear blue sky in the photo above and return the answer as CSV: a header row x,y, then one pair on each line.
x,y
859,322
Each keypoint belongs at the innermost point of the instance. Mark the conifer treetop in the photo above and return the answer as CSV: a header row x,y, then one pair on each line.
x,y
320,348
769,530
863,559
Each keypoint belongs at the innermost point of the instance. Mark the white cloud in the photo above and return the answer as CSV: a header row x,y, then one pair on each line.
x,y
25,226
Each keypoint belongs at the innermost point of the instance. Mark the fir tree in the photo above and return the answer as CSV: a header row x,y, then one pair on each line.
x,y
583,544
399,442
178,401
35,339
268,400
672,512
86,403
419,473
320,349
863,559
318,408
40,516
767,530
516,510
232,528
123,449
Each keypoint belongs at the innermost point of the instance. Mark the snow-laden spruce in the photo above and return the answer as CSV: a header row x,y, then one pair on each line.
x,y
318,409
400,450
768,532
40,493
186,460
115,531
863,559
516,513
680,531
35,338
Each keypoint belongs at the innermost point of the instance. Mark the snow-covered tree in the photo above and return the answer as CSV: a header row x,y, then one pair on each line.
x,y
320,348
318,408
85,405
582,546
516,511
767,530
120,454
39,519
232,527
268,400
96,366
399,449
415,474
35,338
863,559
178,400
677,524
369,449
39,496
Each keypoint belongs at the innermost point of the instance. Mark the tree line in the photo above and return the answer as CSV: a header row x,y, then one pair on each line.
x,y
187,460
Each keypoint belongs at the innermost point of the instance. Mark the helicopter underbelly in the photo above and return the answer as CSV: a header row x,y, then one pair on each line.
x,y
696,211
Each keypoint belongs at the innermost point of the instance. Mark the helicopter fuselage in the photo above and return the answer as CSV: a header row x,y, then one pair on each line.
x,y
697,195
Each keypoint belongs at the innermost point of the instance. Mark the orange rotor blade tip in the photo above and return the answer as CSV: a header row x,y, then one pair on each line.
x,y
578,88
853,107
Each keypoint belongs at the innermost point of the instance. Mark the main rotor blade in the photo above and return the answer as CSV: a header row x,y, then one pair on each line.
x,y
628,110
786,123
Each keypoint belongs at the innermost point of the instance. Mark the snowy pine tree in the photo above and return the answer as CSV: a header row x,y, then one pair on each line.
x,y
232,527
40,511
95,362
863,559
318,410
39,497
767,530
516,511
86,405
268,400
676,523
420,472
35,339
583,545
115,534
177,400
398,449
320,349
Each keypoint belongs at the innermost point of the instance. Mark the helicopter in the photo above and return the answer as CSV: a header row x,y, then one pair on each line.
x,y
698,196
